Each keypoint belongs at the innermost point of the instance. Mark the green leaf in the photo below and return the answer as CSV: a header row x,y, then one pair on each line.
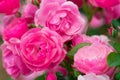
x,y
116,24
75,49
113,59
70,77
60,76
116,46
115,33
76,73
117,76
36,2
42,77
10,79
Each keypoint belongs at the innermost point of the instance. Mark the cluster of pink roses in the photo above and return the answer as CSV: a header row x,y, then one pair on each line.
x,y
35,40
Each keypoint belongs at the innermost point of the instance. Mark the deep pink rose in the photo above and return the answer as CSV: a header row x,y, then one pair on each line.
x,y
107,3
77,2
104,3
51,76
12,62
112,13
15,29
92,58
9,6
92,76
28,12
41,49
61,16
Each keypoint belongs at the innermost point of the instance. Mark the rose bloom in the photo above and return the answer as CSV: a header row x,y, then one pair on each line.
x,y
15,29
87,39
28,12
9,6
92,58
61,16
41,49
97,21
51,76
92,76
111,13
12,62
104,3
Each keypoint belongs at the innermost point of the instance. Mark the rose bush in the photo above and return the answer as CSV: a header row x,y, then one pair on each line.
x,y
60,39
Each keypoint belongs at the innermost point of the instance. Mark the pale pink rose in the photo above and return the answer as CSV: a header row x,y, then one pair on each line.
x,y
9,6
15,29
92,76
12,62
77,2
92,58
41,49
28,12
61,16
97,21
104,3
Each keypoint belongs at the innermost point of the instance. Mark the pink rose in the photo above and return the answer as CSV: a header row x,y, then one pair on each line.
x,y
51,76
41,49
87,39
77,2
92,58
15,29
97,21
9,6
28,12
107,3
32,76
61,16
93,2
111,13
12,62
92,76
104,3
1,29
101,39
7,19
